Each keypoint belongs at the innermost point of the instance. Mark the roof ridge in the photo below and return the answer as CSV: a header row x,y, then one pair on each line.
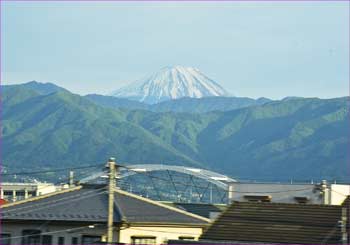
x,y
42,196
122,216
285,204
162,205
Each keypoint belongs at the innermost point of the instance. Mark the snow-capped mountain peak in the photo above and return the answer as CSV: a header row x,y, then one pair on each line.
x,y
171,83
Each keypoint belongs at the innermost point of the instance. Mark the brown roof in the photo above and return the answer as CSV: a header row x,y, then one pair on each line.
x,y
346,202
277,223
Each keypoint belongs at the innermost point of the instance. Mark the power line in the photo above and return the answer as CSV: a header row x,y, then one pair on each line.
x,y
52,170
68,198
47,204
53,232
47,186
155,177
48,221
203,187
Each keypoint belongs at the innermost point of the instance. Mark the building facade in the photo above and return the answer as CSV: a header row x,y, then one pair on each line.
x,y
12,192
310,193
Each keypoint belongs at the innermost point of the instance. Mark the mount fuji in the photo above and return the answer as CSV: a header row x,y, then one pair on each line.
x,y
171,83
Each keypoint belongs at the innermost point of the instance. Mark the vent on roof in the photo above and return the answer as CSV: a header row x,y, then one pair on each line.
x,y
257,198
301,199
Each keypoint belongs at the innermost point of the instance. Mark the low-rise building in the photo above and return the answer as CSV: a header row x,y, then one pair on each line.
x,y
79,216
321,193
12,192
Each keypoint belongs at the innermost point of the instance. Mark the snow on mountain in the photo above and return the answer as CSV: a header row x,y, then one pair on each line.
x,y
171,83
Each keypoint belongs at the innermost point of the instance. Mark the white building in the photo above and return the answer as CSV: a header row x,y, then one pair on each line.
x,y
12,192
321,193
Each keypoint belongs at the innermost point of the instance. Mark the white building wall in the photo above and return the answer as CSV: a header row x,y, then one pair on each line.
x,y
56,231
338,193
285,193
20,191
162,234
279,192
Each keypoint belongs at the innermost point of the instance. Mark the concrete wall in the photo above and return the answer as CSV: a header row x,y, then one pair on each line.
x,y
162,234
338,193
15,229
282,193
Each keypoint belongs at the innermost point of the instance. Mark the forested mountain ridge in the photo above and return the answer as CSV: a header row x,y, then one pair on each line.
x,y
304,138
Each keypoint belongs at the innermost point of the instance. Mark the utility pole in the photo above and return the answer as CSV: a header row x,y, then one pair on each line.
x,y
325,192
111,188
71,178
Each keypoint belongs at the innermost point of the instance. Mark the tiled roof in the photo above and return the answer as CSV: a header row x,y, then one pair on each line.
x,y
346,202
277,223
142,210
91,203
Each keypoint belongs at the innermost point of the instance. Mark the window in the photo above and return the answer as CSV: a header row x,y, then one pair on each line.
x,y
19,195
143,240
34,237
31,237
46,240
8,193
187,238
74,240
5,238
31,193
60,240
87,239
257,198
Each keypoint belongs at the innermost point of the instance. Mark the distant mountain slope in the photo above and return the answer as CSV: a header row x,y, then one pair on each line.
x,y
186,104
279,140
300,139
116,103
207,104
171,83
41,88
293,139
62,129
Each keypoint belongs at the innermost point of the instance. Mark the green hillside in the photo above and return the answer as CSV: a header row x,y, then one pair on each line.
x,y
207,104
292,139
62,129
279,140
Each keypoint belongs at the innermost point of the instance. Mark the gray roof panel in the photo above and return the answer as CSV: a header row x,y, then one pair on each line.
x,y
90,204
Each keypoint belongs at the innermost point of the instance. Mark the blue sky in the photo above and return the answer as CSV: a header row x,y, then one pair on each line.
x,y
270,49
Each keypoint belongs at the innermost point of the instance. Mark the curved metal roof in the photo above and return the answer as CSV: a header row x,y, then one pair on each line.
x,y
215,178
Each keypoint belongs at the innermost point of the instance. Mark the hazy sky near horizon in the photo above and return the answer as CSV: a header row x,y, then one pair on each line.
x,y
254,49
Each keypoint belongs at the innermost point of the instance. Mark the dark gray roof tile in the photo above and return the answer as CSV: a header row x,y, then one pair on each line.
x,y
91,204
